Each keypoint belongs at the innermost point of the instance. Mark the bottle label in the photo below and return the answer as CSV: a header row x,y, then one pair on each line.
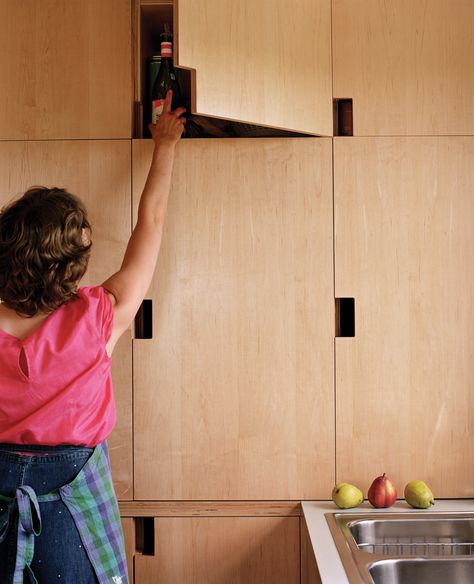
x,y
156,109
166,49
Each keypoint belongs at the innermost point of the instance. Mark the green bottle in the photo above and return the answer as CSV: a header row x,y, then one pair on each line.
x,y
166,78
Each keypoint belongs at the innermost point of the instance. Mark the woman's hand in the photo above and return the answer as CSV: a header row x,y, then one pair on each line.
x,y
170,124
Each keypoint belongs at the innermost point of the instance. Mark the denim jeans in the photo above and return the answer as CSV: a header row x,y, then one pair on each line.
x,y
59,555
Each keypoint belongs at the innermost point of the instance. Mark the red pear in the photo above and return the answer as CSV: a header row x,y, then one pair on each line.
x,y
382,493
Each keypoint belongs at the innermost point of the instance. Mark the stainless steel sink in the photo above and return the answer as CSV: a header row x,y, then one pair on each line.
x,y
386,548
447,536
415,571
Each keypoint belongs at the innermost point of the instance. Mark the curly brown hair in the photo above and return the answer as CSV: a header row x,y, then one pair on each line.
x,y
43,254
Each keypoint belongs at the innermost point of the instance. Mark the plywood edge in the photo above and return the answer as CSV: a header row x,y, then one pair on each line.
x,y
210,508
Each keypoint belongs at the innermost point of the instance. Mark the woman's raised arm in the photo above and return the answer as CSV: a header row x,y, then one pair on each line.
x,y
129,285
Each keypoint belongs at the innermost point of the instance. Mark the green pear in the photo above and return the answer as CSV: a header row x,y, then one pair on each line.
x,y
346,495
418,495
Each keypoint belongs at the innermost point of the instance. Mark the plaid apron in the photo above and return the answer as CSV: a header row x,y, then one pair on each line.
x,y
91,500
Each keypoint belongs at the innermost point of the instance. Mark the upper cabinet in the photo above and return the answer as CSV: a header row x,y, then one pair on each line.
x,y
403,249
408,66
65,69
234,391
99,173
262,63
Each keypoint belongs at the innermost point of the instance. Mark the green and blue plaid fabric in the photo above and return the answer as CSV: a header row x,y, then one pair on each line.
x,y
91,500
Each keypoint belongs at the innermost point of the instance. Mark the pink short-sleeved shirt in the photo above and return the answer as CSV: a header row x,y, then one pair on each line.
x,y
55,385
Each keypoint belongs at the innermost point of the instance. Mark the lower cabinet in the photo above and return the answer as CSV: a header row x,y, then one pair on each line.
x,y
218,550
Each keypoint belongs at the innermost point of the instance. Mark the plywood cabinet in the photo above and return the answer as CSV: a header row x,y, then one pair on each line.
x,y
267,63
214,550
408,66
234,392
403,250
65,69
99,173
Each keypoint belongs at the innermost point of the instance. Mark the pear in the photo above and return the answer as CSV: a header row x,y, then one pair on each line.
x,y
347,496
418,495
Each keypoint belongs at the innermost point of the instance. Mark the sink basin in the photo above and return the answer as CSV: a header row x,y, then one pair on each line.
x,y
448,536
402,548
420,571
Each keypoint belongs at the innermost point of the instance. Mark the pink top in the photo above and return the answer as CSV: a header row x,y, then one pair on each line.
x,y
55,385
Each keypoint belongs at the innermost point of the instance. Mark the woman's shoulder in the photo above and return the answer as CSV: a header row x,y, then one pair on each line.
x,y
98,293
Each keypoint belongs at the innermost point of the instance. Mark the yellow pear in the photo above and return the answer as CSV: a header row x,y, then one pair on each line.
x,y
418,495
347,496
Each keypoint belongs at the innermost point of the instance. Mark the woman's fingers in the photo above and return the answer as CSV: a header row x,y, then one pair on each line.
x,y
167,102
179,111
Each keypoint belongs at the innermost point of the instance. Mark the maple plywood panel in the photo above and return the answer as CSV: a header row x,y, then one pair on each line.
x,y
266,62
409,66
99,173
404,239
214,550
65,69
234,395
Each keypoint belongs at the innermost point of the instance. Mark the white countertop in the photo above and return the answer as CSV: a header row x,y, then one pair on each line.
x,y
328,560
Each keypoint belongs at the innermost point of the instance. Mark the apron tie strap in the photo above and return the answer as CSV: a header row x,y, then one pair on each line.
x,y
26,504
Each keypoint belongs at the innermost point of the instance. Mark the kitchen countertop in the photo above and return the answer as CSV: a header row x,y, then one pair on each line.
x,y
328,560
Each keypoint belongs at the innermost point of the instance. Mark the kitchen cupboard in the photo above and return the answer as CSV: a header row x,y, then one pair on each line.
x,y
408,66
264,63
233,395
214,550
403,250
65,69
99,173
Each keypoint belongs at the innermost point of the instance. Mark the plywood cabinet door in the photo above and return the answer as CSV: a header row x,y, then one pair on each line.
x,y
65,69
408,66
234,392
404,241
213,550
267,63
99,173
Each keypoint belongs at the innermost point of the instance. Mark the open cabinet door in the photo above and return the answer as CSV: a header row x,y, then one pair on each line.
x,y
266,63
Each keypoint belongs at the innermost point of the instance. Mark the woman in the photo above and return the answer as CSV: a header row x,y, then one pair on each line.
x,y
59,518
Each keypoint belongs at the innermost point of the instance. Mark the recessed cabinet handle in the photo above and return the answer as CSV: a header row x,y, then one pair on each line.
x,y
145,536
144,321
345,317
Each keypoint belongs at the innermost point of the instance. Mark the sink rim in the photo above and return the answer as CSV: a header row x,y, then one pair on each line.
x,y
356,561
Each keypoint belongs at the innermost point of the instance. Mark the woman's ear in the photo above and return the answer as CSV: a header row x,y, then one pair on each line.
x,y
85,237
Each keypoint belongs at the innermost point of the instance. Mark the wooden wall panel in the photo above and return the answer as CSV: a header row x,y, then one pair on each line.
x,y
214,550
409,66
404,242
234,393
99,173
266,62
65,69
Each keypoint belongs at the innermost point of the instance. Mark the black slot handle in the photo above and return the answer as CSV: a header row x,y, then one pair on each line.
x,y
144,320
343,117
145,535
345,317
